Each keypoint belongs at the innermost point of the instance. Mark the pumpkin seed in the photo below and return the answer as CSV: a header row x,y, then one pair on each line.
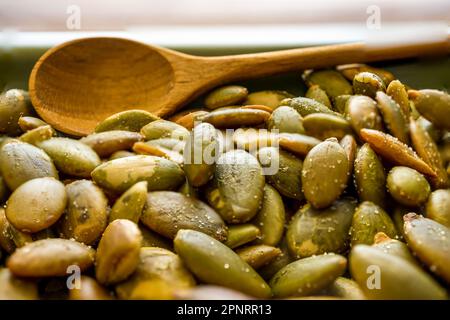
x,y
369,175
285,119
434,105
129,120
325,173
367,84
438,207
108,142
392,283
20,162
118,252
37,204
166,212
430,241
214,263
313,232
71,156
368,220
120,174
307,276
407,186
395,151
14,104
225,96
86,214
50,258
130,204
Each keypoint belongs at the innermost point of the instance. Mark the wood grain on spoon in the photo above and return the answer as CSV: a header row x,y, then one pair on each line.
x,y
77,84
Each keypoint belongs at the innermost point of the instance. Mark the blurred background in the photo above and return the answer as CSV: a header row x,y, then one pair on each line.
x,y
211,27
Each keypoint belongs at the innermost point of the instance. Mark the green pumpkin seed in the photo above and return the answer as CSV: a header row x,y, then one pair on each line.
x,y
269,98
296,143
166,212
259,255
241,234
363,113
86,215
156,266
367,84
407,186
214,263
427,149
240,184
313,232
438,207
392,246
34,136
130,204
325,173
118,252
50,258
129,120
271,218
37,204
235,117
346,289
396,90
27,123
348,143
164,129
200,154
395,151
315,92
120,174
430,241
285,119
287,179
225,96
108,142
368,220
329,80
393,117
398,278
369,175
71,156
349,71
14,104
12,288
305,106
20,162
434,105
307,276
324,126
89,289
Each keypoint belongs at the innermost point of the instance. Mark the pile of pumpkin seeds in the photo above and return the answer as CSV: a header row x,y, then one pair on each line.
x,y
358,206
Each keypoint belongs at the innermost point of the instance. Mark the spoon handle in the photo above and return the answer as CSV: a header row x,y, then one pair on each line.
x,y
246,66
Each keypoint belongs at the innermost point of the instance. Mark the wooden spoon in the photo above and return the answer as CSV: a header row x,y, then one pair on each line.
x,y
77,84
